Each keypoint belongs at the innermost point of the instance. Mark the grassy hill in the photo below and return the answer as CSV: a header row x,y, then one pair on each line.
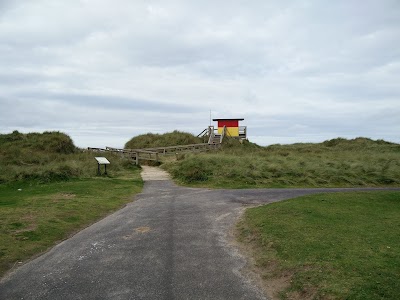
x,y
333,163
152,140
46,157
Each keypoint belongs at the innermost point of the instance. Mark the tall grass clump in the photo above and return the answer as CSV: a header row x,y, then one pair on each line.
x,y
334,163
152,140
47,157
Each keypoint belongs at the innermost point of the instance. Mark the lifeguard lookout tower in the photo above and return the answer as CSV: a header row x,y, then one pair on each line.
x,y
232,128
225,127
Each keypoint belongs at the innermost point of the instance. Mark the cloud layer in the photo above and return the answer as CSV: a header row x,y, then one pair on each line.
x,y
104,71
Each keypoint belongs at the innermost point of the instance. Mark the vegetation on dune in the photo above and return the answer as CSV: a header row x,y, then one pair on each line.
x,y
46,157
53,142
153,140
333,163
328,246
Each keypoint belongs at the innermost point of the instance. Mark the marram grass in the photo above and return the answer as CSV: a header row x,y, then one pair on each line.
x,y
337,163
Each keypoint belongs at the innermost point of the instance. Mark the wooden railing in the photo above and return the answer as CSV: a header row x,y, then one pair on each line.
x,y
213,132
214,142
243,132
172,150
154,153
223,133
203,133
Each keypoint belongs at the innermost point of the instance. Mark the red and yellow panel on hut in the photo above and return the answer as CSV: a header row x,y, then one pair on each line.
x,y
232,126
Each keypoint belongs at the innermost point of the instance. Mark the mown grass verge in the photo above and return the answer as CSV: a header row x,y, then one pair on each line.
x,y
328,246
35,216
336,163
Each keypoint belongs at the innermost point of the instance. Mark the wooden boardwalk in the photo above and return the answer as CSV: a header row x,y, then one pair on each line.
x,y
154,154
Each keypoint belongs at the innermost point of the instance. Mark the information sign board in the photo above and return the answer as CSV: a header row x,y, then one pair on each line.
x,y
102,161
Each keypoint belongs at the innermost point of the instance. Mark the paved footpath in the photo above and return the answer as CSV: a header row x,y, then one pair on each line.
x,y
170,243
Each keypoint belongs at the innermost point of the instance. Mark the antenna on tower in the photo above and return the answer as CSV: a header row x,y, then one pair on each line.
x,y
210,117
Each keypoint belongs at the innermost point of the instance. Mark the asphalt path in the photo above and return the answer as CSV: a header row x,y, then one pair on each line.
x,y
170,243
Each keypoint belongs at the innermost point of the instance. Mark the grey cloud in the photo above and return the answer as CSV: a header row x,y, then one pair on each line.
x,y
107,102
292,69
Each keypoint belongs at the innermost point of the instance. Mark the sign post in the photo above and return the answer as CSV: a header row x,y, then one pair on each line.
x,y
102,161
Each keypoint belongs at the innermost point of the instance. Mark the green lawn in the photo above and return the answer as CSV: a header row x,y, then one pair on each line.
x,y
331,246
34,217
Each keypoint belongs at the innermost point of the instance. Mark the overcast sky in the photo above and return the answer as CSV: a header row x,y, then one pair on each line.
x,y
105,71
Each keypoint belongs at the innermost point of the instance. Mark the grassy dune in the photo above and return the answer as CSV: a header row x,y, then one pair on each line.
x,y
152,140
335,163
47,157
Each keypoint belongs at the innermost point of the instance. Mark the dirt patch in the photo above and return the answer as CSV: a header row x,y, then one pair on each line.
x,y
62,196
142,229
154,173
275,285
136,231
268,277
28,223
308,294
